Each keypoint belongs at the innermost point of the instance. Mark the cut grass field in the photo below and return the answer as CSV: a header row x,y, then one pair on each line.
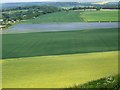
x,y
58,71
76,16
94,16
58,43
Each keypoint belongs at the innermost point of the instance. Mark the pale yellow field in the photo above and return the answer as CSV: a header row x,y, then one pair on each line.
x,y
58,71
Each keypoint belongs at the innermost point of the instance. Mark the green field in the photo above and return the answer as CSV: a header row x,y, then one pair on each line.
x,y
58,71
58,43
72,16
94,16
61,59
76,16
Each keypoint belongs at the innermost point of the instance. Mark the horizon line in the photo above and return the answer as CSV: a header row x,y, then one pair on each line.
x,y
54,1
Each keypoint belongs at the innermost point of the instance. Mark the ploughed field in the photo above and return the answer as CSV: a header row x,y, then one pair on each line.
x,y
58,71
58,43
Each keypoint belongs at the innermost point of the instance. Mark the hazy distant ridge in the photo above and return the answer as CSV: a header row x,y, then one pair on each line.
x,y
60,4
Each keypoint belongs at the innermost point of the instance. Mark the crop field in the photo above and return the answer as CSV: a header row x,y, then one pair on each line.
x,y
77,16
58,43
71,16
100,16
62,45
58,71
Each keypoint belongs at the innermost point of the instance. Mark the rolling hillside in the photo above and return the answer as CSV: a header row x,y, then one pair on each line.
x,y
76,16
59,43
72,16
61,71
58,4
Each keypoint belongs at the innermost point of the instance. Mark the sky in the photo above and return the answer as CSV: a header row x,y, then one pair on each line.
x,y
6,1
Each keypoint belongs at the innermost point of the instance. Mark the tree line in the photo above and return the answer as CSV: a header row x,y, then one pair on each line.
x,y
94,7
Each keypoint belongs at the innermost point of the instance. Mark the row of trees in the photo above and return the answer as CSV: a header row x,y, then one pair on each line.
x,y
93,7
84,8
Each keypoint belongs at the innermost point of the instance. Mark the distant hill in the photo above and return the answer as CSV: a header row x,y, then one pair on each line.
x,y
14,5
106,3
101,3
59,4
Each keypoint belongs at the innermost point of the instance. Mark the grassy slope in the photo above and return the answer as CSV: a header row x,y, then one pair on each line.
x,y
72,16
100,15
76,16
58,71
110,82
52,43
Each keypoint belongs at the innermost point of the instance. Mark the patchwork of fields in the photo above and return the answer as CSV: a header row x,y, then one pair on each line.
x,y
64,58
58,71
77,16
